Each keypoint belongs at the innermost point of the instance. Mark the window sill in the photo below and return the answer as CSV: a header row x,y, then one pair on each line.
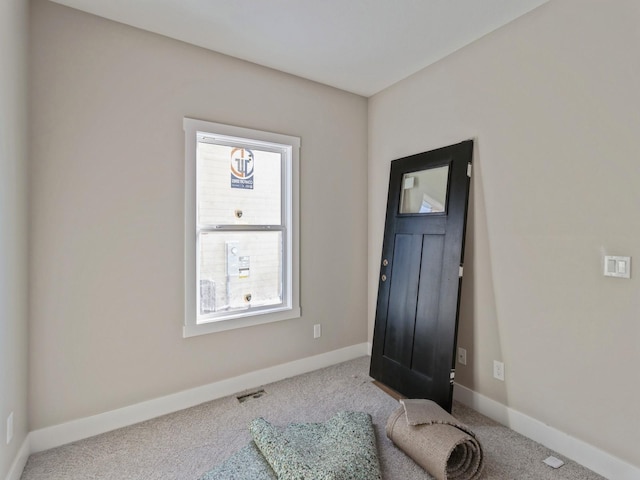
x,y
241,322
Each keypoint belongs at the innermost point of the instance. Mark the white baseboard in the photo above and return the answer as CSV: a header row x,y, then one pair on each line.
x,y
15,472
581,452
75,430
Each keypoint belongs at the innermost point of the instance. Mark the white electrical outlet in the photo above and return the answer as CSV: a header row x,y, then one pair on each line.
x,y
317,331
498,370
462,356
9,428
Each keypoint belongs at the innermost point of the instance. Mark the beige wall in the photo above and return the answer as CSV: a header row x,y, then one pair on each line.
x,y
13,226
107,213
552,101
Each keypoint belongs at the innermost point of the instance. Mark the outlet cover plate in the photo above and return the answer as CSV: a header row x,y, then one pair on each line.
x,y
498,370
553,462
9,428
462,356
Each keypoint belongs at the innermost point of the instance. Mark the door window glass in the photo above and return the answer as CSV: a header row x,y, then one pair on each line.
x,y
425,191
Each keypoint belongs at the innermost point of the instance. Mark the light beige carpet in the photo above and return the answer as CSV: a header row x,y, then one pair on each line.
x,y
186,444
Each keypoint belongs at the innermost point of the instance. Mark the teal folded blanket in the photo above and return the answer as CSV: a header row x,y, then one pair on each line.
x,y
343,448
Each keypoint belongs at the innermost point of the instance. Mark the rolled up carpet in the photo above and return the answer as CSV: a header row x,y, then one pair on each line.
x,y
435,440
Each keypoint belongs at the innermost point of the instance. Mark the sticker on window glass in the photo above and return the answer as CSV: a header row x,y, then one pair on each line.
x,y
242,168
243,267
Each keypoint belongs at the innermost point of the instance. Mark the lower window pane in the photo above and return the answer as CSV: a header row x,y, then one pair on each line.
x,y
239,271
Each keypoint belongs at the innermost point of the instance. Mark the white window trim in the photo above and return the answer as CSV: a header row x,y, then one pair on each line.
x,y
191,327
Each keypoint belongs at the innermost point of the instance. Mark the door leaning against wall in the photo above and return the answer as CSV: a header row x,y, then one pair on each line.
x,y
421,272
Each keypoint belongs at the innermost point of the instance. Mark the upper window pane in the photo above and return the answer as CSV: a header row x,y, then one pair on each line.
x,y
238,186
425,191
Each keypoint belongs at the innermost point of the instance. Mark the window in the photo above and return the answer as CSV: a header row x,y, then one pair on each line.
x,y
241,228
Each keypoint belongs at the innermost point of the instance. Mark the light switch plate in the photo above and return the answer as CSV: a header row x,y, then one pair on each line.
x,y
408,183
616,266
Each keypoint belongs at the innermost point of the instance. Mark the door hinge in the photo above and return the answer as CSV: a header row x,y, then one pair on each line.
x,y
460,271
452,375
469,170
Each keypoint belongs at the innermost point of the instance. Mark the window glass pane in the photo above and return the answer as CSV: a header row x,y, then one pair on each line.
x,y
425,191
238,186
239,270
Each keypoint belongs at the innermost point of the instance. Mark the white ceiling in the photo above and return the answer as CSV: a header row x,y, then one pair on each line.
x,y
361,46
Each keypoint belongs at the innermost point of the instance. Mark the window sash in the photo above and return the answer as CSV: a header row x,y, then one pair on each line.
x,y
285,302
202,169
